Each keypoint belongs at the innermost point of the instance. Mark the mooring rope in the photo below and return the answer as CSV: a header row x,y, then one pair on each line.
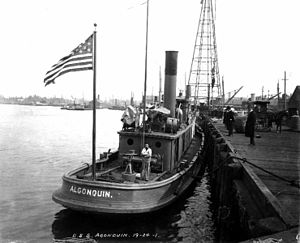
x,y
291,182
218,167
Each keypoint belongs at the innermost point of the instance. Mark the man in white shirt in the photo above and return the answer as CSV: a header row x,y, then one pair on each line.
x,y
146,153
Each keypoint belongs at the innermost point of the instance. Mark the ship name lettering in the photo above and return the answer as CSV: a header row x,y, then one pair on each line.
x,y
90,192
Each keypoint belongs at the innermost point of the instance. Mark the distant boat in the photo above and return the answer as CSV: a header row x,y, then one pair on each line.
x,y
89,106
117,107
73,107
40,103
64,107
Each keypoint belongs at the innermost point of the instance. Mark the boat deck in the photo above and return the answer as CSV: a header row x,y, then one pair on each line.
x,y
113,171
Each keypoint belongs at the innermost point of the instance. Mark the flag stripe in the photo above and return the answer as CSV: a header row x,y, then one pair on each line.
x,y
70,58
49,81
74,61
80,59
53,76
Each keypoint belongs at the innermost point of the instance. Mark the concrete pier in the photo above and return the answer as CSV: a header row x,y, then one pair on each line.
x,y
256,187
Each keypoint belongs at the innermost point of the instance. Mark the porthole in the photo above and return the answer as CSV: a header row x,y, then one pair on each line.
x,y
129,141
158,144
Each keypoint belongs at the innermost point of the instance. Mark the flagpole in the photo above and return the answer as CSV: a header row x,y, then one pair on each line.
x,y
94,106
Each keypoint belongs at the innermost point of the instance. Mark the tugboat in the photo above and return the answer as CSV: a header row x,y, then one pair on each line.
x,y
114,185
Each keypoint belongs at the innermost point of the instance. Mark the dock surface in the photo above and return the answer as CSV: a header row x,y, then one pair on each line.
x,y
278,153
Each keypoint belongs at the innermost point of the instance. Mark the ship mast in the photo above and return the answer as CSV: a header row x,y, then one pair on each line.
x,y
159,92
145,80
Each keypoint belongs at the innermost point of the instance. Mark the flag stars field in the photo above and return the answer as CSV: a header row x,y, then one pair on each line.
x,y
80,59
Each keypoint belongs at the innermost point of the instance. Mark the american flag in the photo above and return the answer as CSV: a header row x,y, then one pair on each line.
x,y
80,59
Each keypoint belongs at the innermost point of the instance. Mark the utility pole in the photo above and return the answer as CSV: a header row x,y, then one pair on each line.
x,y
278,94
223,91
284,79
159,90
208,96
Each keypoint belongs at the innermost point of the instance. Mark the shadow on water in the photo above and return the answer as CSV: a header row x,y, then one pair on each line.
x,y
168,224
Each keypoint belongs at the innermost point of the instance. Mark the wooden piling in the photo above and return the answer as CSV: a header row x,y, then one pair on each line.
x,y
256,201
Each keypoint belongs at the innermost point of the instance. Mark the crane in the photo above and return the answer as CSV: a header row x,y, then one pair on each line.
x,y
233,96
272,97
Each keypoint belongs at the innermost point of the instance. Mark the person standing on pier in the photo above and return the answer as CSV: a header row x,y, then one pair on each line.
x,y
250,126
225,118
229,120
146,153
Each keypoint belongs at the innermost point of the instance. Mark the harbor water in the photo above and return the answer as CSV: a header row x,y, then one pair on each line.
x,y
38,144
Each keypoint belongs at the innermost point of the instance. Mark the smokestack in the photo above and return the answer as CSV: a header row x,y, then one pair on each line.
x,y
170,81
188,91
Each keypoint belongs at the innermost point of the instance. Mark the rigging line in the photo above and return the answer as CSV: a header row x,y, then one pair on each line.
x,y
137,5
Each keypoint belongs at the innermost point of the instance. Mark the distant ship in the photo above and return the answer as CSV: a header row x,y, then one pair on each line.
x,y
117,107
73,107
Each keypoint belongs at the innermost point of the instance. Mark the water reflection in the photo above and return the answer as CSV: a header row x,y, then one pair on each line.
x,y
188,219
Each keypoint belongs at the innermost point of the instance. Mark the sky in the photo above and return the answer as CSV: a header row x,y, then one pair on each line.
x,y
257,41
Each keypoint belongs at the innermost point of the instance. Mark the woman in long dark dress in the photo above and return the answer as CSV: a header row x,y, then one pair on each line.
x,y
250,126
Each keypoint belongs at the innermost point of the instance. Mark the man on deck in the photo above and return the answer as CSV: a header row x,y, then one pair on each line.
x,y
146,153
